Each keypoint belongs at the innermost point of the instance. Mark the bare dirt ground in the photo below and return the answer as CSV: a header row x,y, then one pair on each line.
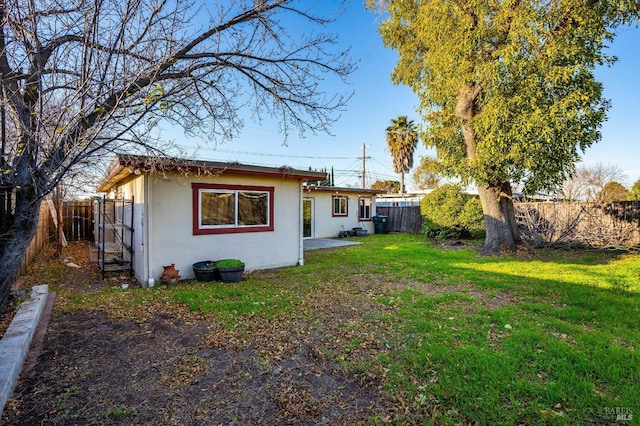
x,y
172,368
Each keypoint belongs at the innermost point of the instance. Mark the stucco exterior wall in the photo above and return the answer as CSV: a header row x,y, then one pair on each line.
x,y
135,189
170,226
328,226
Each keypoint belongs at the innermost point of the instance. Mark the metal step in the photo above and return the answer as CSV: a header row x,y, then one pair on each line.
x,y
114,265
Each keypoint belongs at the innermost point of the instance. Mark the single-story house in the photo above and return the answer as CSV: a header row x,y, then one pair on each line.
x,y
329,210
185,211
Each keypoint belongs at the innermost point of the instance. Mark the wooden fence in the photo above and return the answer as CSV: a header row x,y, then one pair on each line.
x,y
602,225
77,223
77,219
402,219
615,225
39,240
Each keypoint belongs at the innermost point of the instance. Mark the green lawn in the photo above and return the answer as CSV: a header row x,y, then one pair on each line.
x,y
539,337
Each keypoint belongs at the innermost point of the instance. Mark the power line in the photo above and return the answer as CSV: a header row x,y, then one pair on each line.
x,y
349,173
264,154
382,164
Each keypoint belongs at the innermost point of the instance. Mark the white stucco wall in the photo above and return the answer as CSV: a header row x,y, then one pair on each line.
x,y
135,189
328,226
170,226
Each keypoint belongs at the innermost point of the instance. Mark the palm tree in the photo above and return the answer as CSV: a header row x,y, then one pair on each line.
x,y
402,138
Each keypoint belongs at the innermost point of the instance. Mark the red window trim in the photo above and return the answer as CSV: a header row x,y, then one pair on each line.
x,y
370,209
195,190
333,206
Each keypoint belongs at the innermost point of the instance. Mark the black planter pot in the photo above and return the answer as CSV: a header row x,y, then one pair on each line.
x,y
204,272
231,275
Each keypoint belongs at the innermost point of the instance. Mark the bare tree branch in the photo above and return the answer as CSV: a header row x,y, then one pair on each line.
x,y
83,77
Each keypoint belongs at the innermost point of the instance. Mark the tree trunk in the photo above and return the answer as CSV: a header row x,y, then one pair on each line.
x,y
497,203
507,207
499,219
16,241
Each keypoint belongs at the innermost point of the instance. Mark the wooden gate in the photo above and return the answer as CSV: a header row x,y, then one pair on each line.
x,y
78,220
402,219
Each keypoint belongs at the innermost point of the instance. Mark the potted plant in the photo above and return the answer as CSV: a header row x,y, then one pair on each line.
x,y
230,270
206,270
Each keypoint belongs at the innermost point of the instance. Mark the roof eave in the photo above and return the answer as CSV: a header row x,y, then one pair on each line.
x,y
123,166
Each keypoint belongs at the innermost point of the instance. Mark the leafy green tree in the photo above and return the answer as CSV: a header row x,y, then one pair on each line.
x,y
390,186
507,89
427,174
450,213
402,138
635,190
613,191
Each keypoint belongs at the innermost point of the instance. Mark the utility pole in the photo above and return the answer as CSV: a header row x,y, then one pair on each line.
x,y
364,158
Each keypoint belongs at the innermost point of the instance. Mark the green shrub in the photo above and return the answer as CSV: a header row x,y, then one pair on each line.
x,y
450,213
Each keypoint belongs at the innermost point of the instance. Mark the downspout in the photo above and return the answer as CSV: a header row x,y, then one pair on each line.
x,y
300,225
148,232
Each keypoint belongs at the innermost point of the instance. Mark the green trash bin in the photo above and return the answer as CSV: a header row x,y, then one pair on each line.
x,y
381,224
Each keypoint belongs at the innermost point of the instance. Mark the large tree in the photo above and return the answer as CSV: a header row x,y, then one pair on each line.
x,y
507,89
402,138
82,78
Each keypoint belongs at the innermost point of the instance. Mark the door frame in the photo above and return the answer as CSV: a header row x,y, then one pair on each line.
x,y
312,200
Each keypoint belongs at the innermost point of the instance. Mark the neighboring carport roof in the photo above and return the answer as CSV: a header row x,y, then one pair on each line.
x,y
123,167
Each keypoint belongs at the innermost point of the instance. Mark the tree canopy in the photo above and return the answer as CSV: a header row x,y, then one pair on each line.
x,y
507,90
635,190
427,174
613,191
402,138
390,186
81,79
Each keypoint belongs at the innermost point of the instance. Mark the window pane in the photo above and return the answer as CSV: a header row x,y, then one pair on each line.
x,y
365,208
217,208
307,212
252,208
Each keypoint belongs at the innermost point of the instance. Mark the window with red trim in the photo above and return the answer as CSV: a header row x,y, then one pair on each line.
x,y
221,209
364,208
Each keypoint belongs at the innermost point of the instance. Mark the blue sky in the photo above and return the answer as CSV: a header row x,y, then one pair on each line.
x,y
376,101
